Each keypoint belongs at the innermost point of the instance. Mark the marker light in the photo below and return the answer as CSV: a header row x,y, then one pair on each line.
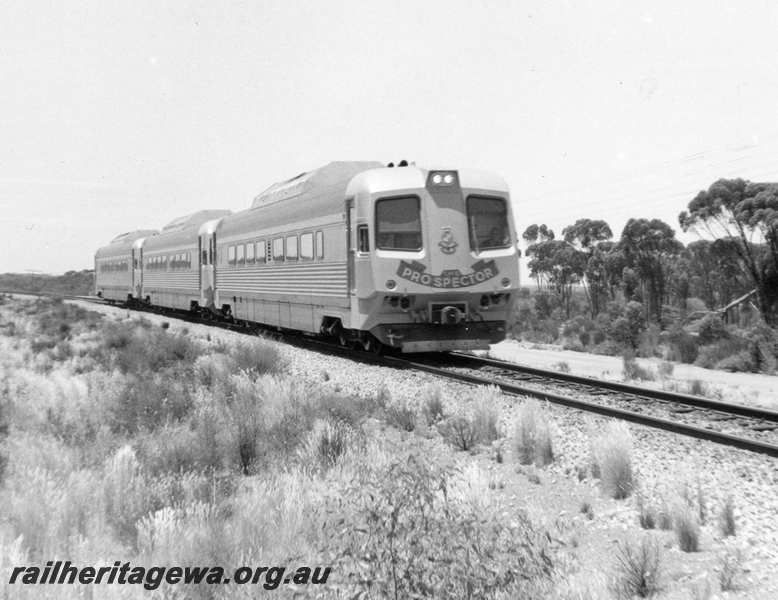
x,y
447,178
505,282
391,284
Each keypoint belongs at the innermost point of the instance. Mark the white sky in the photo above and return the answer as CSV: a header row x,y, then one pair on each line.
x,y
118,115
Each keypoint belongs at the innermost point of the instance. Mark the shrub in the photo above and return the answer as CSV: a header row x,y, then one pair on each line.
x,y
459,431
646,513
532,436
245,422
612,453
327,443
485,413
401,416
730,564
697,388
586,509
256,356
432,405
687,529
648,341
170,449
683,345
126,493
400,535
561,366
727,524
633,371
742,362
638,568
665,369
147,402
626,329
724,349
712,329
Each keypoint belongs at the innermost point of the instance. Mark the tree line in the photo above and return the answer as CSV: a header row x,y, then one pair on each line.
x,y
736,221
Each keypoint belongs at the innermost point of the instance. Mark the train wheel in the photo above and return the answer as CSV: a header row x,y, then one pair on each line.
x,y
373,345
342,339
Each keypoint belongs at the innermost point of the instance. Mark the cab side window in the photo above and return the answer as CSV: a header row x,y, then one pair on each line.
x,y
363,239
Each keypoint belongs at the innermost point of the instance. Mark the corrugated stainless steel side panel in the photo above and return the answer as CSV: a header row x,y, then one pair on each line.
x,y
327,279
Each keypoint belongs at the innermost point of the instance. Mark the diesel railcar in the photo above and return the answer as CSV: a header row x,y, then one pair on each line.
x,y
407,258
117,272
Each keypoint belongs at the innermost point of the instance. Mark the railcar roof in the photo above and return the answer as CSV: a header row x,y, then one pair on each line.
x,y
308,196
333,176
183,230
194,220
122,244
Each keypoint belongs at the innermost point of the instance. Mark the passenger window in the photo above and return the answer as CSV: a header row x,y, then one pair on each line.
x,y
291,247
261,251
241,254
306,246
250,253
278,249
398,223
231,255
319,244
487,223
363,239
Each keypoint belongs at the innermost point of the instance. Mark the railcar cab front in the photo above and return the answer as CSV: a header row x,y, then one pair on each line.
x,y
433,257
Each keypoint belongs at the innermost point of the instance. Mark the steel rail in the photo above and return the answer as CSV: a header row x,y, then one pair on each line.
x,y
674,397
626,415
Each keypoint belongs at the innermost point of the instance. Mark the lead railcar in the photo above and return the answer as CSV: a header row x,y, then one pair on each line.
x,y
409,258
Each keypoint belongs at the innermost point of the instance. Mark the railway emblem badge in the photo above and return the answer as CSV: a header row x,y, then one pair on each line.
x,y
447,243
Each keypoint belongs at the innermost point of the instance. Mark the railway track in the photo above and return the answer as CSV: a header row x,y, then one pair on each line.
x,y
684,414
692,416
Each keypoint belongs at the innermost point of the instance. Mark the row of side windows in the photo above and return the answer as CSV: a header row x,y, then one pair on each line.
x,y
305,246
114,265
182,260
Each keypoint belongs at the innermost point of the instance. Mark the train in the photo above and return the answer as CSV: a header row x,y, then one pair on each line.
x,y
381,257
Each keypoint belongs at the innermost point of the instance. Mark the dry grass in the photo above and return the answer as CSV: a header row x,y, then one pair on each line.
x,y
727,524
687,529
638,568
612,457
432,405
460,432
532,436
730,568
486,402
402,416
218,461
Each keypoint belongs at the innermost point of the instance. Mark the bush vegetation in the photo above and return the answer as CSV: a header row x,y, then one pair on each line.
x,y
167,449
408,537
532,436
612,458
638,568
625,321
